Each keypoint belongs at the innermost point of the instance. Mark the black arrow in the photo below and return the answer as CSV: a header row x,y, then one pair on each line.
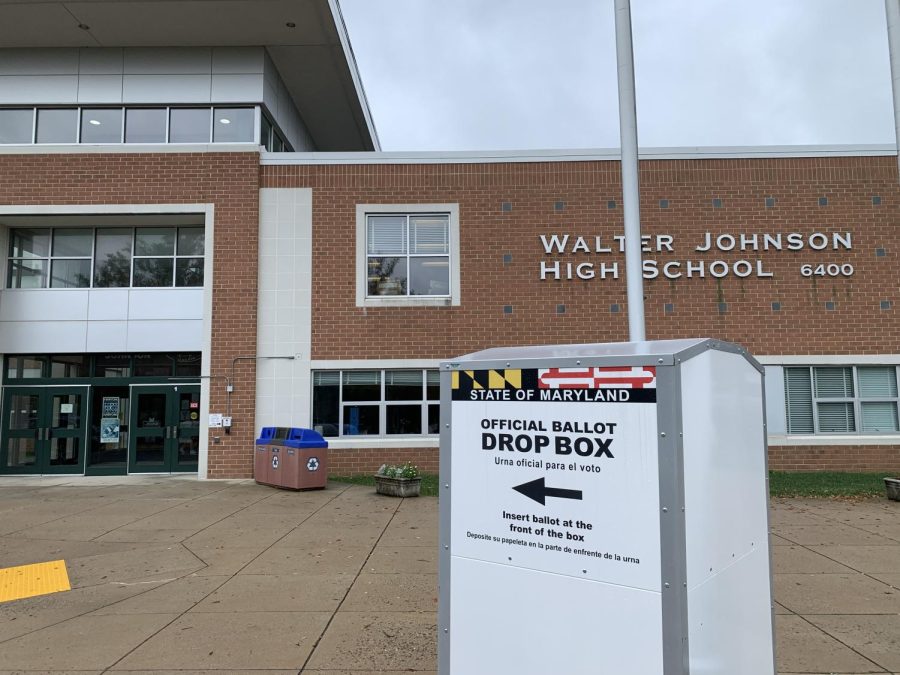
x,y
537,491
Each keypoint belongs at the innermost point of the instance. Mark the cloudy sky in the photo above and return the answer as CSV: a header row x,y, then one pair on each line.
x,y
530,74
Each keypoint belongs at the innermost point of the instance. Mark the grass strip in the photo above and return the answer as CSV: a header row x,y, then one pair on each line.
x,y
826,484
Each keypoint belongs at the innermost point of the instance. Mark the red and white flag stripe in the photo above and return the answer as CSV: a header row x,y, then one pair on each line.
x,y
611,377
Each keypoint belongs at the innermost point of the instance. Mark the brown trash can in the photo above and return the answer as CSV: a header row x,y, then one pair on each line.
x,y
267,455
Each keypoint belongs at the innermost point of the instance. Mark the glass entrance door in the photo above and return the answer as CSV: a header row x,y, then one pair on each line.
x,y
165,429
43,430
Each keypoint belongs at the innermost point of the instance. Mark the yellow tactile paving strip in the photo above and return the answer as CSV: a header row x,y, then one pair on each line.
x,y
26,581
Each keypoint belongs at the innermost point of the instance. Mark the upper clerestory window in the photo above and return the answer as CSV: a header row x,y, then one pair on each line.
x,y
139,124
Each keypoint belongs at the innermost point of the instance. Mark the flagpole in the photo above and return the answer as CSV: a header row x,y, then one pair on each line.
x,y
634,280
892,13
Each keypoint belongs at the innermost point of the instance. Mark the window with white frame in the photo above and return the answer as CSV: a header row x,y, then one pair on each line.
x,y
105,257
376,402
841,400
408,255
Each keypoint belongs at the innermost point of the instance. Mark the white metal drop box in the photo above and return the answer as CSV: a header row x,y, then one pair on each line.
x,y
603,511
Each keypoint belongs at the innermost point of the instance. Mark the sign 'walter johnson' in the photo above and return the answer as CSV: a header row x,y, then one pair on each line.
x,y
561,247
564,454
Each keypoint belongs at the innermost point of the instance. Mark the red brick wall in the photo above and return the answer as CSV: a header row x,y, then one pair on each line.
x,y
835,458
856,325
344,461
230,181
804,326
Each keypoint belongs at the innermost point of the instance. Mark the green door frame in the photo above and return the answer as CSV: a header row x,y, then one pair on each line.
x,y
41,430
171,430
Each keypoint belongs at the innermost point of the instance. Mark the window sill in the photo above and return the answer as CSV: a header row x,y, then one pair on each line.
x,y
835,439
393,301
355,442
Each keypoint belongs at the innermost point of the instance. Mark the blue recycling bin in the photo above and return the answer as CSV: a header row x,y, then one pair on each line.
x,y
292,458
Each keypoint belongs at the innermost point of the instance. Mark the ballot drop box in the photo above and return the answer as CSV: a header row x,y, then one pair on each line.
x,y
603,510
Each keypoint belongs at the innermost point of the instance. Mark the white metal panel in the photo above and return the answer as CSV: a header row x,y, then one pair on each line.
x,y
165,303
284,307
726,519
238,60
108,304
168,60
39,62
618,503
30,337
599,629
44,305
229,88
100,89
166,88
107,336
776,416
739,642
101,61
164,336
38,89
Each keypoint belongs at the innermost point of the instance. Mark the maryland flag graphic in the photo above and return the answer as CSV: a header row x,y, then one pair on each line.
x,y
466,380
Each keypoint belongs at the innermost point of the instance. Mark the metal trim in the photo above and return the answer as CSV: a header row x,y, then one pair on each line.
x,y
562,362
765,451
444,531
672,537
719,345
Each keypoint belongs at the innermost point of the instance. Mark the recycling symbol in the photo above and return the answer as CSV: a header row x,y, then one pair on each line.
x,y
275,462
312,464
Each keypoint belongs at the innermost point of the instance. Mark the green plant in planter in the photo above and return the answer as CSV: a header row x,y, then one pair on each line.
x,y
398,481
408,470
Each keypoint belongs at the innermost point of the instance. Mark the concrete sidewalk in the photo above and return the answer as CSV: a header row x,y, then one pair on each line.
x,y
179,575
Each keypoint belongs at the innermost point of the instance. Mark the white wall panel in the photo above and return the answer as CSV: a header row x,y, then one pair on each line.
x,y
108,304
238,60
165,303
107,336
164,336
39,62
53,305
166,88
237,88
38,89
284,308
29,337
101,61
100,89
168,61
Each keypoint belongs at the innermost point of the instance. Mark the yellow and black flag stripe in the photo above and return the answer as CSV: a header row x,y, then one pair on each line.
x,y
464,381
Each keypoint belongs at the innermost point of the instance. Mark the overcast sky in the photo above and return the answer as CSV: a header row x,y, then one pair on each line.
x,y
531,74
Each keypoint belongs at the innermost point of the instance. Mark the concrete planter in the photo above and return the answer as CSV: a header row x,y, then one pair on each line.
x,y
397,487
892,485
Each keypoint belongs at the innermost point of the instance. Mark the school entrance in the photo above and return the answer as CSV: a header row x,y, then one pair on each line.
x,y
100,414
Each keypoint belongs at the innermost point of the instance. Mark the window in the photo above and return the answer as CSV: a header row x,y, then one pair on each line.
x,y
145,125
57,125
841,400
376,402
233,125
101,125
16,125
408,255
110,257
68,366
189,125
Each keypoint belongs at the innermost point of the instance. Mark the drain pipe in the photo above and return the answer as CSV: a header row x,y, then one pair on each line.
x,y
892,13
